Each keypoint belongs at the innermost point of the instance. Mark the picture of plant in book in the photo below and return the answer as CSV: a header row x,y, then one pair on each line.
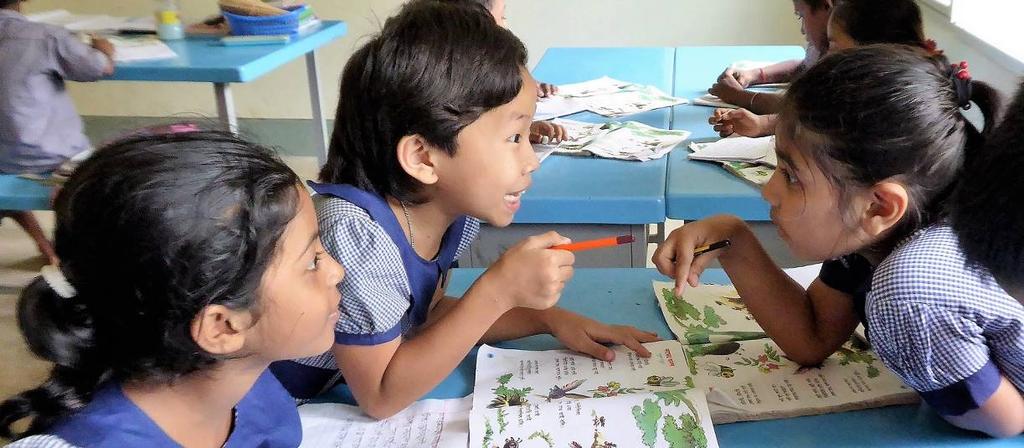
x,y
662,381
647,417
687,433
546,437
698,327
508,396
720,349
613,388
557,391
502,422
846,356
765,362
733,302
719,370
488,434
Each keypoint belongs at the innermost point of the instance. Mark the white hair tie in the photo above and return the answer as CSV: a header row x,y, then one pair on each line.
x,y
54,277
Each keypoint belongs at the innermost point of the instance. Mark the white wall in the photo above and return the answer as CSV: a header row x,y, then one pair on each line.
x,y
540,23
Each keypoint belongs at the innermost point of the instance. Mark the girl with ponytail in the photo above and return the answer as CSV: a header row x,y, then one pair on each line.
x,y
189,262
871,141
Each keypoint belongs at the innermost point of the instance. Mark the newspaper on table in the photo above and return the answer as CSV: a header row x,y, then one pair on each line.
x,y
563,399
604,96
614,140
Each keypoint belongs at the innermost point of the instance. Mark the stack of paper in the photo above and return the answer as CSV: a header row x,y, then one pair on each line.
x,y
625,141
748,377
752,159
145,48
563,399
604,96
98,23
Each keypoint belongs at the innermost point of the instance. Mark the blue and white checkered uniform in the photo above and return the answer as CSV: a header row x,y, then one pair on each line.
x,y
948,330
387,289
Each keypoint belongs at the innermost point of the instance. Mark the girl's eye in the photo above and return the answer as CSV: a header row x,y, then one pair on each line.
x,y
314,264
515,138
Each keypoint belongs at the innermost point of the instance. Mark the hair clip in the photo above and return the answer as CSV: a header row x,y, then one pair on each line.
x,y
961,77
55,278
932,47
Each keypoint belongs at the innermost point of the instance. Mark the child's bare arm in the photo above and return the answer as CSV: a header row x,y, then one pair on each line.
x,y
809,325
385,378
1002,415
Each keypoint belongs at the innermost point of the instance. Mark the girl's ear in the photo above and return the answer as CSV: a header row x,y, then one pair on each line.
x,y
219,330
415,157
887,204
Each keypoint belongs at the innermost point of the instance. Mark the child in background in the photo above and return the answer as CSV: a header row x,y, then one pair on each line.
x,y
39,128
732,84
986,209
181,279
853,23
868,198
429,138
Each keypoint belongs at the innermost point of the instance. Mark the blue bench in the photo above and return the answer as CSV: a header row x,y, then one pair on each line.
x,y
17,193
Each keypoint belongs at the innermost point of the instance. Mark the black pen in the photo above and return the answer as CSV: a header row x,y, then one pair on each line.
x,y
711,247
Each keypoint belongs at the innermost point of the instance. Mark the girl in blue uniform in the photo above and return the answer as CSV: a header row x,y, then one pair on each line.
x,y
189,262
871,143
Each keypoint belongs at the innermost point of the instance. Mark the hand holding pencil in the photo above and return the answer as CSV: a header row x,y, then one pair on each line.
x,y
688,250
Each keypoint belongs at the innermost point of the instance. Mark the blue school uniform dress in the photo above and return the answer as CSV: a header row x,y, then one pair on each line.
x,y
387,289
948,330
265,418
39,127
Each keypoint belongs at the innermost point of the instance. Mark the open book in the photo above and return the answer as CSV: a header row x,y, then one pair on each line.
x,y
604,96
746,375
752,159
626,141
563,399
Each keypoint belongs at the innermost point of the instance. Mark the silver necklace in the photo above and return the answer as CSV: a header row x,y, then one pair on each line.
x,y
408,223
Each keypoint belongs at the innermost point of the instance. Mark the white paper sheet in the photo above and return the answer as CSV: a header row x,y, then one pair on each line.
x,y
737,149
427,423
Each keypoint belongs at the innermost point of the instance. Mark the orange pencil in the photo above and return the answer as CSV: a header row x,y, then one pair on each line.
x,y
595,244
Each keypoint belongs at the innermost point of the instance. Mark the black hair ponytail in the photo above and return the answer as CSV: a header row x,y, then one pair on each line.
x,y
150,230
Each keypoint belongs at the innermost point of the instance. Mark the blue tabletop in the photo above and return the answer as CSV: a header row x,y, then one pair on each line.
x,y
695,189
624,296
577,190
202,59
17,193
649,66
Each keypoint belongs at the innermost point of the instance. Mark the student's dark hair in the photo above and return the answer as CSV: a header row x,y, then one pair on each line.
x,y
487,4
149,231
881,21
986,208
6,3
887,112
815,4
434,68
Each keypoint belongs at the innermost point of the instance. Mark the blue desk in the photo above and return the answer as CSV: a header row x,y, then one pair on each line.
x,y
624,296
590,197
20,194
696,189
201,59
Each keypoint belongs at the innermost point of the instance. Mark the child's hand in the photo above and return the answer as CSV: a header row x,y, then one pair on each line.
x,y
530,274
586,336
674,257
545,90
738,121
744,77
728,89
546,132
103,46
